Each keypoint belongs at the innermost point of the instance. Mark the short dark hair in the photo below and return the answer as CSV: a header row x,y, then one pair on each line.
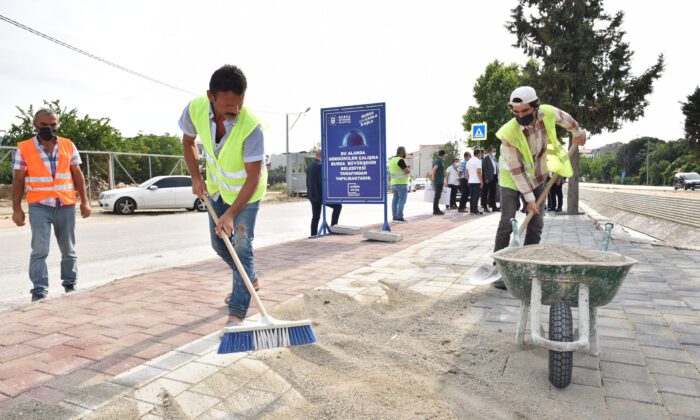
x,y
478,152
228,78
467,154
441,153
400,149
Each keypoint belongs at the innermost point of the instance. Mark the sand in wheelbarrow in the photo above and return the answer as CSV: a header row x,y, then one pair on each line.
x,y
559,253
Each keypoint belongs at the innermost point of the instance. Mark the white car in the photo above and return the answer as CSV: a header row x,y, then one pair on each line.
x,y
418,184
161,192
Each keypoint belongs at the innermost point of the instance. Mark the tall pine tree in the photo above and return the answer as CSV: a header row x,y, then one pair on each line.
x,y
584,65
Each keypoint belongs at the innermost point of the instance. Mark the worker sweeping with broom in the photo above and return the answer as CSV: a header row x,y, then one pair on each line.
x,y
530,150
236,182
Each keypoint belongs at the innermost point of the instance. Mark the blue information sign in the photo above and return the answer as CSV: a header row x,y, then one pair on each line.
x,y
354,154
479,131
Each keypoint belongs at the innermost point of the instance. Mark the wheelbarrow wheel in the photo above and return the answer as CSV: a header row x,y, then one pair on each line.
x,y
560,329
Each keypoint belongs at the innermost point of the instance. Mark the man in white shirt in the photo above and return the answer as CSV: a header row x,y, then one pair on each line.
x,y
452,181
475,181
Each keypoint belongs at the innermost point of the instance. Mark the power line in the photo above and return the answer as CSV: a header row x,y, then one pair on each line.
x,y
93,56
109,63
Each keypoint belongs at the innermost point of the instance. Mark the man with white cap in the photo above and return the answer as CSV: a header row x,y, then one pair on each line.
x,y
530,149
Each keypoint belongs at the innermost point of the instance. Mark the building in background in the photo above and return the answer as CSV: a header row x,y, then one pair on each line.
x,y
422,160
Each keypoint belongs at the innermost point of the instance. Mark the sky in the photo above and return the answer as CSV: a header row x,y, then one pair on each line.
x,y
420,58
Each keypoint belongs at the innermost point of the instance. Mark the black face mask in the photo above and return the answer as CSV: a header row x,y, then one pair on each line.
x,y
526,120
47,133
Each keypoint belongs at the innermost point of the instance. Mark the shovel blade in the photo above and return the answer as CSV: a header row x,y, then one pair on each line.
x,y
486,274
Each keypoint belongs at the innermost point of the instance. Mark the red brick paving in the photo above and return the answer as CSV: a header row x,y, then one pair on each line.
x,y
63,344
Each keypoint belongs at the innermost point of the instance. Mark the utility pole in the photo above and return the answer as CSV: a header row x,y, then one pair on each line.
x,y
647,161
289,166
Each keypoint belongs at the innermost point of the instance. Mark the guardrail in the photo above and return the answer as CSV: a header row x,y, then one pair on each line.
x,y
684,211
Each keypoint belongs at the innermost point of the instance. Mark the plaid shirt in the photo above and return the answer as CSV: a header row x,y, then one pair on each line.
x,y
537,139
50,160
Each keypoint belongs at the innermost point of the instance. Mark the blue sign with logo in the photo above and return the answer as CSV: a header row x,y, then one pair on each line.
x,y
354,154
479,131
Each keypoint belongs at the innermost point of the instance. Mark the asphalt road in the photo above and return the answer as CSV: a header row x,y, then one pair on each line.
x,y
110,247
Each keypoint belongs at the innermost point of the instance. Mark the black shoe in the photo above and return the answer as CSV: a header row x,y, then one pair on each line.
x,y
438,213
69,288
558,210
400,219
487,210
462,210
497,209
37,297
500,284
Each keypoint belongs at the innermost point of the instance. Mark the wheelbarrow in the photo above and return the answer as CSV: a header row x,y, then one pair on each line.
x,y
562,285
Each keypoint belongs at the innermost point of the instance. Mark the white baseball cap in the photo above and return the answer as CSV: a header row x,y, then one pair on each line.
x,y
523,94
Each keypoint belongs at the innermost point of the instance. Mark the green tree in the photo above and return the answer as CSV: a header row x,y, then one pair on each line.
x,y
691,110
492,91
451,149
87,133
585,65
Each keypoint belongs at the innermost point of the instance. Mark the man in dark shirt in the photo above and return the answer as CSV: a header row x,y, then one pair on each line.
x,y
438,181
314,192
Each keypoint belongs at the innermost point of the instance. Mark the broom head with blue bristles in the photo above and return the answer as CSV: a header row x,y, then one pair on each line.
x,y
268,333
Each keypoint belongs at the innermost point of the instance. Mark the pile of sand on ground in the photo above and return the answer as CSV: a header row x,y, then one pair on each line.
x,y
413,357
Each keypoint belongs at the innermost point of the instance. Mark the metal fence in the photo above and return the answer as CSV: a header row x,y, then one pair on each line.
x,y
106,170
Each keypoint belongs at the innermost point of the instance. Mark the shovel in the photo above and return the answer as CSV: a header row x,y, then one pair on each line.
x,y
488,273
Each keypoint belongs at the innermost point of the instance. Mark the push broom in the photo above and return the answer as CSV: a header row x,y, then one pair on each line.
x,y
266,333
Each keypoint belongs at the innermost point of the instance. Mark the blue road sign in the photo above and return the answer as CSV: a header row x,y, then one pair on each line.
x,y
354,154
479,131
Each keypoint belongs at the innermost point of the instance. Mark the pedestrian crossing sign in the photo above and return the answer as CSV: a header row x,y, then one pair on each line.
x,y
479,131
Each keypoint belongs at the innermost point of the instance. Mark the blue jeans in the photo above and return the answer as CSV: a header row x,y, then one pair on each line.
x,y
41,218
400,192
242,240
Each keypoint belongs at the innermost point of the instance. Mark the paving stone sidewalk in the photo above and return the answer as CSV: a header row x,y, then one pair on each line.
x,y
650,334
53,351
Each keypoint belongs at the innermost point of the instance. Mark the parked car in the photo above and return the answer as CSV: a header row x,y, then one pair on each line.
x,y
161,192
686,180
418,184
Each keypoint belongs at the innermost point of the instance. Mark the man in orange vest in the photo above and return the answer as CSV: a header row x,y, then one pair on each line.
x,y
48,167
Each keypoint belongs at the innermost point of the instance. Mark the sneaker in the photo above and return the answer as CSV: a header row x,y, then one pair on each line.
x,y
37,297
438,213
500,284
70,288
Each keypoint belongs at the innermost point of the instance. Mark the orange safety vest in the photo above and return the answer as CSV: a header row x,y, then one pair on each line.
x,y
39,182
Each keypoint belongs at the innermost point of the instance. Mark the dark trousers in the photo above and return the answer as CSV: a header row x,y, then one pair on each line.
x,y
464,189
488,193
453,195
556,195
510,201
475,193
316,215
436,200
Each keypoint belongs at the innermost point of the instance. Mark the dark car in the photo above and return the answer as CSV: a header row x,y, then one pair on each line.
x,y
686,180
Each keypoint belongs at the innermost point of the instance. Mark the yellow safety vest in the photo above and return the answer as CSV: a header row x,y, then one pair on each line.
x,y
557,158
397,175
226,173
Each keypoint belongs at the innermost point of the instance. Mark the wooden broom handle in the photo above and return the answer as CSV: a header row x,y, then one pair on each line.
x,y
236,261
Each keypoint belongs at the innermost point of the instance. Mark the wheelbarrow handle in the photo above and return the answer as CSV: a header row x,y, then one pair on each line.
x,y
541,198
